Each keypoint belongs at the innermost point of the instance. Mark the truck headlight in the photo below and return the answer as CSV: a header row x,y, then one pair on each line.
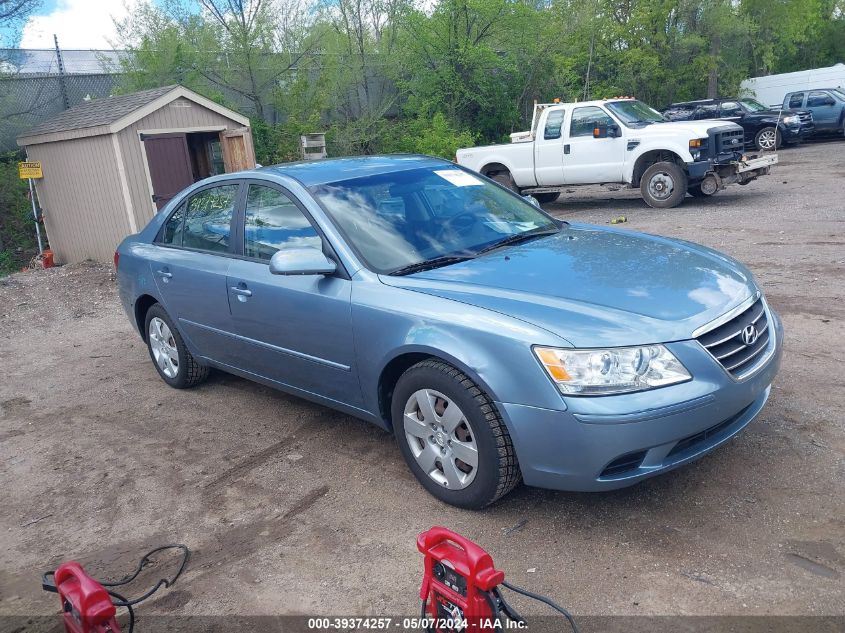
x,y
791,120
584,372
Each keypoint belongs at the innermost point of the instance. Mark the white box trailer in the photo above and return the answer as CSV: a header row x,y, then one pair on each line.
x,y
772,88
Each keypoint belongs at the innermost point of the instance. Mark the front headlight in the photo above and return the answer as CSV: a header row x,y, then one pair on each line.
x,y
585,372
791,120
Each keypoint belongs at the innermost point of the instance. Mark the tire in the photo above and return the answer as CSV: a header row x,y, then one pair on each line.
x,y
663,185
504,178
171,358
435,459
696,192
546,198
764,139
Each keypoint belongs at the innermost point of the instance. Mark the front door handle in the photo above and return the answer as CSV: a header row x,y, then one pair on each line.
x,y
164,274
243,292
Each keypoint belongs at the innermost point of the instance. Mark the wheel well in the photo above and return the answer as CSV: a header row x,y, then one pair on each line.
x,y
144,303
493,168
390,376
650,158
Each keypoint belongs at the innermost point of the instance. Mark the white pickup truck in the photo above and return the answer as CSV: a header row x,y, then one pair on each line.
x,y
621,141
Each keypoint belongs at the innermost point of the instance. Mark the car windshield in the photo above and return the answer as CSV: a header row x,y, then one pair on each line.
x,y
409,220
753,105
633,112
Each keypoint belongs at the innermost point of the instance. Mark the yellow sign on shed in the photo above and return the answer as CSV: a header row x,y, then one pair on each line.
x,y
31,169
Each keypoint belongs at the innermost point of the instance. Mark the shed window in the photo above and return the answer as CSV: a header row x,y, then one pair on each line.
x,y
273,222
209,218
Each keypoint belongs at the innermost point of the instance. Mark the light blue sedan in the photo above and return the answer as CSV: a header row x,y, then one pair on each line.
x,y
496,343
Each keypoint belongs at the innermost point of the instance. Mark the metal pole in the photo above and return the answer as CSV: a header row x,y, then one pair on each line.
x,y
35,217
62,85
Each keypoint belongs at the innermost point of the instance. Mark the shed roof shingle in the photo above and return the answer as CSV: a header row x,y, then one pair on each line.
x,y
98,112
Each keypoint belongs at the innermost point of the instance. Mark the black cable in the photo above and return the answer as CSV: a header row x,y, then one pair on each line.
x,y
544,600
146,559
512,613
129,608
494,608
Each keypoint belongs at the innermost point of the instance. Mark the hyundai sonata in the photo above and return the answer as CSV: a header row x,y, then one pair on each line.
x,y
496,343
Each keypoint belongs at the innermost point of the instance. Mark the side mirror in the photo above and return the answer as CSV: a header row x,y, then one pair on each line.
x,y
599,130
301,261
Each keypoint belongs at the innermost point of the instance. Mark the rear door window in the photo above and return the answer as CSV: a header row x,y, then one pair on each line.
x,y
171,232
273,222
796,100
554,123
208,220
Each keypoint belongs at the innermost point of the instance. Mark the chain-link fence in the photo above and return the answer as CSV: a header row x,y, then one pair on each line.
x,y
37,84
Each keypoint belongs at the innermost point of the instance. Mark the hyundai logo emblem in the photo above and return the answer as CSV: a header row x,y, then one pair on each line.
x,y
749,334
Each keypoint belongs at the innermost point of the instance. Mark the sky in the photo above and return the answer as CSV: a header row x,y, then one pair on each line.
x,y
77,23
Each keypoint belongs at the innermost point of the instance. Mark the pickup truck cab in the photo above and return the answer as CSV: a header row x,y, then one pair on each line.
x,y
618,141
827,106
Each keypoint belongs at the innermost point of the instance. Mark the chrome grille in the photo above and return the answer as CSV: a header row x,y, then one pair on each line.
x,y
805,117
725,342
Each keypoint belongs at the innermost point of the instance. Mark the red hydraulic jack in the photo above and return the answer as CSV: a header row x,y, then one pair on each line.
x,y
90,605
461,587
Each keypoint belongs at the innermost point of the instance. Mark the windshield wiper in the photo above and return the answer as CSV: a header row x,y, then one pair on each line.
x,y
428,264
517,238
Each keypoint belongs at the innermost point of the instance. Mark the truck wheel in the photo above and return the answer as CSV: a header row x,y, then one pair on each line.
x,y
452,436
546,198
664,185
768,139
504,178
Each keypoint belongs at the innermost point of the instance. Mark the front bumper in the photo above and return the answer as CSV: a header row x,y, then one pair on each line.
x,y
603,443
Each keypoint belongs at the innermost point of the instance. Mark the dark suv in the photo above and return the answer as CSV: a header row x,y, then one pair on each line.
x,y
765,128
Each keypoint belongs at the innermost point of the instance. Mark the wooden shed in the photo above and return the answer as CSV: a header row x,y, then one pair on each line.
x,y
110,164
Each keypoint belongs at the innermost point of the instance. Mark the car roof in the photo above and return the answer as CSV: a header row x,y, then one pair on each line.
x,y
319,172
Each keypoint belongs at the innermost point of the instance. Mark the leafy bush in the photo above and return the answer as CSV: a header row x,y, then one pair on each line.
x,y
433,137
17,233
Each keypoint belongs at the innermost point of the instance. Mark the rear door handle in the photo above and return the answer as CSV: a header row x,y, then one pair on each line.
x,y
165,274
566,149
243,292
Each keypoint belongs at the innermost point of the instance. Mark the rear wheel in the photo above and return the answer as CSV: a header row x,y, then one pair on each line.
x,y
171,358
505,179
768,139
546,198
452,437
664,185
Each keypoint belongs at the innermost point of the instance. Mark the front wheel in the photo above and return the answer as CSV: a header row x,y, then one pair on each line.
x,y
768,139
664,185
452,437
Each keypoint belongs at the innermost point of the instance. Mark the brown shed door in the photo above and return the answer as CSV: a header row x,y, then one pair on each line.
x,y
238,153
169,164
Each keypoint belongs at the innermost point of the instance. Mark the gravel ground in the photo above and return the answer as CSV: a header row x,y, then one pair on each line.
x,y
293,508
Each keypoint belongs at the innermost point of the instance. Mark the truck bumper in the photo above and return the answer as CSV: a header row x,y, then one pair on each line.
x,y
742,171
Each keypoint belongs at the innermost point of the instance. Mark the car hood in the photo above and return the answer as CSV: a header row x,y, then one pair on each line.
x,y
694,129
594,286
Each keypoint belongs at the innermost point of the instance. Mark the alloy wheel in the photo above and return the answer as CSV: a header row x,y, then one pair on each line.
x,y
163,346
441,439
767,139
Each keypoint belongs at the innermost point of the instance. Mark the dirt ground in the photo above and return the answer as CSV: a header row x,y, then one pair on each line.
x,y
290,507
